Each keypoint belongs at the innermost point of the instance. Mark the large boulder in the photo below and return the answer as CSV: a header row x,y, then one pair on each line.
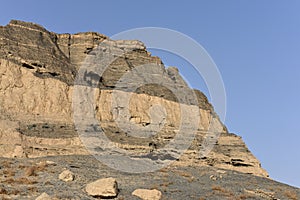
x,y
105,188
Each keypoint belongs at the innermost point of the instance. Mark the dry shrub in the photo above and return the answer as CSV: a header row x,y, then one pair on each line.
x,y
166,184
186,175
32,170
22,180
218,188
48,183
155,186
25,181
165,170
291,195
9,181
222,190
3,191
22,166
181,173
14,192
245,196
32,189
9,172
6,164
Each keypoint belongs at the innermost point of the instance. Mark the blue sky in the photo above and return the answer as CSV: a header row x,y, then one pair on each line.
x,y
255,45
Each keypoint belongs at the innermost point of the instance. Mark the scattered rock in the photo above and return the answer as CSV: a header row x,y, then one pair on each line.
x,y
213,177
262,194
147,194
49,162
105,188
221,171
44,196
66,176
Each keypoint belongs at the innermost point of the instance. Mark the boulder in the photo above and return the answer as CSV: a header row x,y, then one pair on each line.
x,y
105,188
66,176
147,194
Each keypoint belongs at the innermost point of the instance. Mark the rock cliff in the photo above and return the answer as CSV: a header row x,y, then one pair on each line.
x,y
38,70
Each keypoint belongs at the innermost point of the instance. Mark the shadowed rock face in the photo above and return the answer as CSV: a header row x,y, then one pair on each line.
x,y
37,73
33,47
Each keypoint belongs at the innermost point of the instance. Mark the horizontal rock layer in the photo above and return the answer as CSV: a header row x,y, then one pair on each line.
x,y
39,84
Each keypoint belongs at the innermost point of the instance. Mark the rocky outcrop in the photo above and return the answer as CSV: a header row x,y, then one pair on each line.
x,y
38,70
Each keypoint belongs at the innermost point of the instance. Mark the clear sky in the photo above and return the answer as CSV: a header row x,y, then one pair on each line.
x,y
255,44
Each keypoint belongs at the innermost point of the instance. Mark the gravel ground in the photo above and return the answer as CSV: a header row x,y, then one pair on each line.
x,y
19,181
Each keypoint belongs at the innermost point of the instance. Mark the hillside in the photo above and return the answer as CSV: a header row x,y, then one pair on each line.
x,y
58,91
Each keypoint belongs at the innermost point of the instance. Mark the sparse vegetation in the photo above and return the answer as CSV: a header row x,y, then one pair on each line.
x,y
222,190
291,195
6,164
7,192
9,172
166,184
244,196
32,170
21,180
3,191
186,175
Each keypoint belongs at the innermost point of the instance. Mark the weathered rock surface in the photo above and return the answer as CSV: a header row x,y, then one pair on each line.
x,y
106,188
66,176
146,194
34,48
37,73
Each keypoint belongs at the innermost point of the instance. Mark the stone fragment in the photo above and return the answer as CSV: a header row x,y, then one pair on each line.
x,y
146,194
105,188
66,176
44,196
213,177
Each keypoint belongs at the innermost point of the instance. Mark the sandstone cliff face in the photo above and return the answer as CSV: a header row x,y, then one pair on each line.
x,y
37,73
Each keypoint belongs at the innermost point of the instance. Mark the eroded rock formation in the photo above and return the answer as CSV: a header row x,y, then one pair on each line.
x,y
38,70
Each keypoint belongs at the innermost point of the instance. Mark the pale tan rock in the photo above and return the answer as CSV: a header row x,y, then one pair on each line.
x,y
46,163
66,176
213,177
147,194
18,152
44,196
49,162
105,188
221,171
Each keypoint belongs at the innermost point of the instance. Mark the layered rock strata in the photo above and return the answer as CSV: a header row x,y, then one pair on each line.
x,y
38,72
